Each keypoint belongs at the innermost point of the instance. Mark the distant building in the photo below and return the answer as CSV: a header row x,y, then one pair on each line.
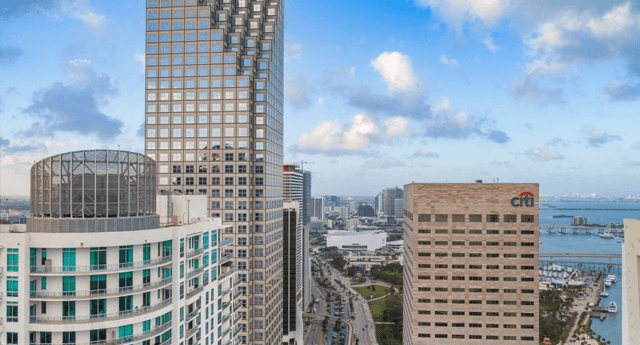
x,y
630,278
352,241
306,196
318,209
579,221
398,209
389,202
451,258
366,210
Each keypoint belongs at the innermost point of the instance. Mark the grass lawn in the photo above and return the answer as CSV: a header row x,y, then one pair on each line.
x,y
377,309
365,291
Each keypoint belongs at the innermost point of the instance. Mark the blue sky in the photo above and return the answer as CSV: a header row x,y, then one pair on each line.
x,y
378,93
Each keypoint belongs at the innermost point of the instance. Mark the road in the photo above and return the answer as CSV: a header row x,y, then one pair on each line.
x,y
364,326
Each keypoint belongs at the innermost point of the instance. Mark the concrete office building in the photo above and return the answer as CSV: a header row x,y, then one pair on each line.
x,y
306,196
293,274
630,285
470,263
93,266
318,209
214,124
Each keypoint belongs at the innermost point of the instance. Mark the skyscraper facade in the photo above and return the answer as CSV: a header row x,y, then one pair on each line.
x,y
306,196
389,200
630,278
292,269
214,124
470,263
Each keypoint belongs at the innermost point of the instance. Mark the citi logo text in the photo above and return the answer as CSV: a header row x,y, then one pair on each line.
x,y
525,199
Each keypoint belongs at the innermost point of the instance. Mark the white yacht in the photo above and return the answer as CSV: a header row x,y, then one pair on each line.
x,y
607,283
613,307
612,277
604,293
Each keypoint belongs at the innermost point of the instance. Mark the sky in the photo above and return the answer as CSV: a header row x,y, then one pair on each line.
x,y
378,93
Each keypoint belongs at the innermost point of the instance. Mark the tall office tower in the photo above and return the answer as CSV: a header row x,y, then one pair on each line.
x,y
292,268
214,94
470,263
293,253
306,197
630,278
318,208
379,203
94,264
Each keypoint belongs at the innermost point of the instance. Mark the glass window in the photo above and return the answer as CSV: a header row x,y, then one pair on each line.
x,y
98,283
98,258
69,259
12,286
69,286
126,256
12,260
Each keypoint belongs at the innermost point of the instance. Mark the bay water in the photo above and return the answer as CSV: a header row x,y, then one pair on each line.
x,y
597,212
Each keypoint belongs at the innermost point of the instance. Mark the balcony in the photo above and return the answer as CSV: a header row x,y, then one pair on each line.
x,y
227,274
194,253
94,269
195,292
144,336
225,243
100,293
223,260
63,320
195,272
192,314
191,332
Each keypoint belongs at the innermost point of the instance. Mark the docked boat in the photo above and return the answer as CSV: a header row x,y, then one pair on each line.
x,y
613,307
604,293
607,283
607,235
612,277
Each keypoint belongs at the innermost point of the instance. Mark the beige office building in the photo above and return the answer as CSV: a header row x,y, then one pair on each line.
x,y
214,105
631,283
470,263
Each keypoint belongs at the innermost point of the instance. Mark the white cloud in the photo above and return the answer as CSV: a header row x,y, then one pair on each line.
x,y
597,137
453,63
352,72
140,59
332,137
397,71
425,153
397,126
443,106
294,51
542,154
490,44
636,145
80,9
320,101
457,12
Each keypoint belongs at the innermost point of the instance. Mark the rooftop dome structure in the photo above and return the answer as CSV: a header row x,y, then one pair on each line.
x,y
94,184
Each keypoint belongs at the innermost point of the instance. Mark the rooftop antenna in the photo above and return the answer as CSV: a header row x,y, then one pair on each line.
x,y
302,165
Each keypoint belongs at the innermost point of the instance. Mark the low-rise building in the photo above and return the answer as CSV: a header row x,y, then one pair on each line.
x,y
352,241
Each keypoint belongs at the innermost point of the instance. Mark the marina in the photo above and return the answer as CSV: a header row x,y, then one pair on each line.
x,y
581,248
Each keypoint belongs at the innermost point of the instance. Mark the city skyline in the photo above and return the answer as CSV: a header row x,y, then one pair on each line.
x,y
472,68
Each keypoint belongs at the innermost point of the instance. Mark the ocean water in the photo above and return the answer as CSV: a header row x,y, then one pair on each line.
x,y
599,213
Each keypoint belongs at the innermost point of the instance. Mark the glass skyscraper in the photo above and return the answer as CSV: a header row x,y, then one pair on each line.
x,y
213,123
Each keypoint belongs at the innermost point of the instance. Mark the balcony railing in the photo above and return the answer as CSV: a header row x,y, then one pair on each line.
x,y
194,292
100,268
195,272
191,331
231,271
226,242
223,260
100,317
145,335
192,314
100,293
194,253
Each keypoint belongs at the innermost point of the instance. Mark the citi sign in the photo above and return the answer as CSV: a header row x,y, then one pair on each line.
x,y
525,199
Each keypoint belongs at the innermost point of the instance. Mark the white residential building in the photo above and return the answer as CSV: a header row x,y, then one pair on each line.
x,y
93,265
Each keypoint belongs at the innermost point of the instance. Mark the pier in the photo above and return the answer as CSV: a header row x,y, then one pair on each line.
x,y
597,262
570,229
